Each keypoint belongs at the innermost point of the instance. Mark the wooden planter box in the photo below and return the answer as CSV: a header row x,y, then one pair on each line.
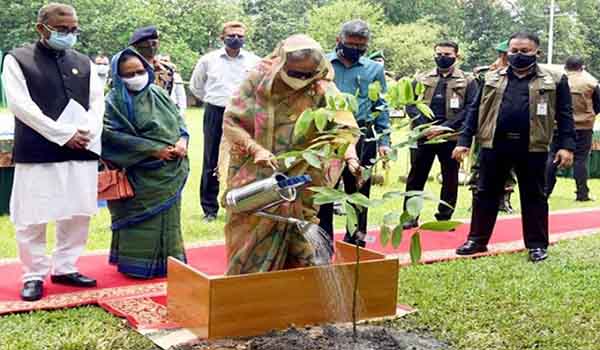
x,y
253,304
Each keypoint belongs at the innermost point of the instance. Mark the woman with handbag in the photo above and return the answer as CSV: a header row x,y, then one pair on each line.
x,y
146,137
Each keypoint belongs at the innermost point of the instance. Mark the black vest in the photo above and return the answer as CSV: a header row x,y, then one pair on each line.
x,y
53,78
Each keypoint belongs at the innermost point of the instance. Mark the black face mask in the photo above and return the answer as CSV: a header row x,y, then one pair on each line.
x,y
350,53
234,43
521,61
444,62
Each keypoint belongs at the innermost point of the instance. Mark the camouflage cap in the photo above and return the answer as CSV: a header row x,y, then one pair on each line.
x,y
502,47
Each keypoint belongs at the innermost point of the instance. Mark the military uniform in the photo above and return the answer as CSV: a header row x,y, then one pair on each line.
x,y
513,119
586,105
505,205
447,96
164,73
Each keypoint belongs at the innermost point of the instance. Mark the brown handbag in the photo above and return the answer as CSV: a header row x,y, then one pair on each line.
x,y
113,184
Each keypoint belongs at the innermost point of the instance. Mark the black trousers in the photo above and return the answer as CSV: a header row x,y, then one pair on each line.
x,y
421,161
366,151
495,167
583,139
209,184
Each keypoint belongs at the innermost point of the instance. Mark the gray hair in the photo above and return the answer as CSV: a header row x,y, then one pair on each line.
x,y
54,9
301,55
355,27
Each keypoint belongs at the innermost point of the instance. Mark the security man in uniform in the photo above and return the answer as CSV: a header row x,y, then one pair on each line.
x,y
447,90
146,41
513,118
480,72
586,105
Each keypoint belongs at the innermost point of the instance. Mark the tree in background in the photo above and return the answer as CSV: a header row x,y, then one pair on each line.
x,y
324,22
408,48
275,20
486,23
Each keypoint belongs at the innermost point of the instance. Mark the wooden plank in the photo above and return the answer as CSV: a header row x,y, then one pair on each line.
x,y
345,252
253,304
188,297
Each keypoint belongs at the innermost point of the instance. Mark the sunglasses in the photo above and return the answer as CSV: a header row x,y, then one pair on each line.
x,y
301,75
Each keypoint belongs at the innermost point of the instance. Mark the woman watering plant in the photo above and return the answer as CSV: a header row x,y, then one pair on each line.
x,y
259,123
144,134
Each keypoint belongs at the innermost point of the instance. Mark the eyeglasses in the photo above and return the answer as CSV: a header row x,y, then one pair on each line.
x,y
63,30
363,47
301,75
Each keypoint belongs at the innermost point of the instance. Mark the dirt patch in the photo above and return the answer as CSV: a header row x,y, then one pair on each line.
x,y
328,338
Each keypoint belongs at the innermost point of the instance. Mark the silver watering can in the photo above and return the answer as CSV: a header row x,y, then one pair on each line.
x,y
265,193
260,195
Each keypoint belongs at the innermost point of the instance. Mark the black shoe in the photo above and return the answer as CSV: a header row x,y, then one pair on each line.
x,y
73,279
32,290
410,224
538,254
471,247
209,218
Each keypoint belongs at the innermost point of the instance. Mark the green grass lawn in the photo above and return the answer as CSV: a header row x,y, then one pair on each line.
x,y
492,303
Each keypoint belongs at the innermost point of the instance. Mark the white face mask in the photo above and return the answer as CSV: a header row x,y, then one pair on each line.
x,y
102,69
295,83
136,83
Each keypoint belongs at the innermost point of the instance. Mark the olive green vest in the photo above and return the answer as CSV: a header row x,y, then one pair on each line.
x,y
542,89
582,86
457,86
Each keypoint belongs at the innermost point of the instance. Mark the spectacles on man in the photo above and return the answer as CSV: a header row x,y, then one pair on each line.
x,y
361,47
301,75
63,29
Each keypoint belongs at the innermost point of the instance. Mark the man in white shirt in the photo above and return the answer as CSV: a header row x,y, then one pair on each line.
x,y
57,99
102,68
216,76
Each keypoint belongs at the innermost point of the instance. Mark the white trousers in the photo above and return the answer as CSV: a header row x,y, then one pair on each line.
x,y
71,237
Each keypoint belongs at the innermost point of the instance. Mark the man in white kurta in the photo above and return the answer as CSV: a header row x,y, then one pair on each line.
x,y
62,191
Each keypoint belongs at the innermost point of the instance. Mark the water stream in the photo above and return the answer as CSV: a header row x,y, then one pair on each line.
x,y
336,285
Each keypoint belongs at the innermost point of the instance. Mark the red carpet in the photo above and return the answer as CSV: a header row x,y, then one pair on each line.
x,y
211,260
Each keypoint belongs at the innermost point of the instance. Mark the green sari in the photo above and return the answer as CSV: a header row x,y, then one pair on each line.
x,y
146,228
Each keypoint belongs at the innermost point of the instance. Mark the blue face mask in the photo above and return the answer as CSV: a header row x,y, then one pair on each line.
x,y
61,41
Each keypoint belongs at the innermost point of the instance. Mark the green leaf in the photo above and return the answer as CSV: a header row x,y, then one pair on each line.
x,y
397,236
367,173
320,120
391,219
374,91
420,89
414,205
425,110
289,161
440,226
320,199
359,199
303,123
331,102
384,235
327,190
405,217
415,247
351,217
376,203
312,159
